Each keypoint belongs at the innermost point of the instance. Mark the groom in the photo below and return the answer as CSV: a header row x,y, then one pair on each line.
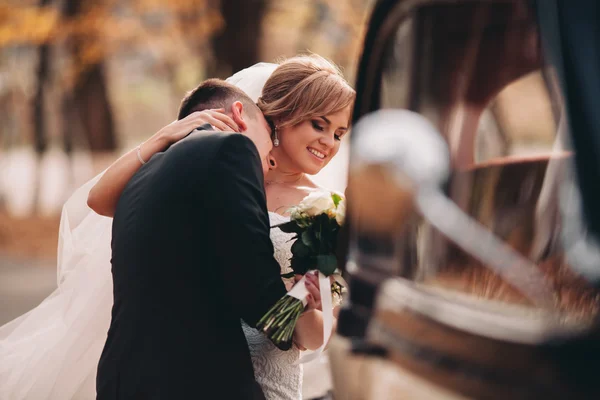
x,y
191,256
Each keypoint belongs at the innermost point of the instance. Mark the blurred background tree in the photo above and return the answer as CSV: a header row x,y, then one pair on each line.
x,y
82,81
238,45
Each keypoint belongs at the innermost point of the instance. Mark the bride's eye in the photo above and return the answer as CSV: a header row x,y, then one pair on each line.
x,y
337,137
317,127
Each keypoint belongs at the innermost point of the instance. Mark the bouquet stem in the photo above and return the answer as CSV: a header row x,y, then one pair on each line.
x,y
279,322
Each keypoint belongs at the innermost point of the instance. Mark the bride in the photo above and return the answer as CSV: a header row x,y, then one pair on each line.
x,y
52,351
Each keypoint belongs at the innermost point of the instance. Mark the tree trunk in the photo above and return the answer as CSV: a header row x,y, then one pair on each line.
x,y
39,117
238,45
94,110
89,96
40,131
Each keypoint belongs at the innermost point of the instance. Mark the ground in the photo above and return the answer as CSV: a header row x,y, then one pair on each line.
x,y
29,237
24,283
27,262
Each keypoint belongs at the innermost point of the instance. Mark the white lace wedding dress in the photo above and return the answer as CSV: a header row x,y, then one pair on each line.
x,y
274,370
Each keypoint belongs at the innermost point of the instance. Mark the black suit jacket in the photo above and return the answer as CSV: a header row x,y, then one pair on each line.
x,y
191,256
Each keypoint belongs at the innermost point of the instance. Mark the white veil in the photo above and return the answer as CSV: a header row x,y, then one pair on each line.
x,y
252,79
52,351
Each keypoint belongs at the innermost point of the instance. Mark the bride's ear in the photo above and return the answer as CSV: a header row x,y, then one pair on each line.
x,y
237,114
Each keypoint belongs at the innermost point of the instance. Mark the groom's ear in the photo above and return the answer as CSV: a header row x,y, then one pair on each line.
x,y
237,114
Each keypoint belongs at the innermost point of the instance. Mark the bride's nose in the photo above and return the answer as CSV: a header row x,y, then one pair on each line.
x,y
328,140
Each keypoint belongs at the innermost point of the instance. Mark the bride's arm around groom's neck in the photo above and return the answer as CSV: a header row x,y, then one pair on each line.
x,y
105,194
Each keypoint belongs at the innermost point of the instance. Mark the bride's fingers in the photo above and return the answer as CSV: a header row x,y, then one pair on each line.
x,y
179,129
226,119
311,304
199,118
313,278
218,125
314,292
216,117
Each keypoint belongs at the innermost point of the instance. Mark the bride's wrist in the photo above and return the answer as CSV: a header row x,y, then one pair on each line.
x,y
147,149
155,144
162,139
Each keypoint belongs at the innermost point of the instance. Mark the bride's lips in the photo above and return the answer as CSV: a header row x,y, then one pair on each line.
x,y
316,157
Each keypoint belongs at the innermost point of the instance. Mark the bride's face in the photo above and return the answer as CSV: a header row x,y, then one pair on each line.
x,y
310,145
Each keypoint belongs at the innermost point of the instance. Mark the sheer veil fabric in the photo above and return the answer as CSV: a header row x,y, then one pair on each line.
x,y
52,351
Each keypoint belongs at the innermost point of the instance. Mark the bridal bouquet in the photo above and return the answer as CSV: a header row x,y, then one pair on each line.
x,y
315,222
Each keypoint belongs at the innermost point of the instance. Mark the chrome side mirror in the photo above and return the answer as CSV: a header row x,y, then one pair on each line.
x,y
399,164
395,153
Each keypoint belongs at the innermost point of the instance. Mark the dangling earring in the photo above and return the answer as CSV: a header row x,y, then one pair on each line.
x,y
276,139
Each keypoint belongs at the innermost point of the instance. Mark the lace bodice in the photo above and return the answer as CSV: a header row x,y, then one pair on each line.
x,y
275,371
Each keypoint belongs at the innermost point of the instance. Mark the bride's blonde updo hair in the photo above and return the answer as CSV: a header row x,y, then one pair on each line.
x,y
304,87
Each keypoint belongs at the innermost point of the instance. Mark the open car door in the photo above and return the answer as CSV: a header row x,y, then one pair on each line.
x,y
472,237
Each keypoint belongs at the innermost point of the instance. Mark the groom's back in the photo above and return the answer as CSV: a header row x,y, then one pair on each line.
x,y
172,326
153,223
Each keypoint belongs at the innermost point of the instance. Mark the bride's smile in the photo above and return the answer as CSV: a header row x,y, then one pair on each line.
x,y
311,144
316,153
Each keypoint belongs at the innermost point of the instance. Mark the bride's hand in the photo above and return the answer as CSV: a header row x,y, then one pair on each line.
x,y
308,333
179,129
314,298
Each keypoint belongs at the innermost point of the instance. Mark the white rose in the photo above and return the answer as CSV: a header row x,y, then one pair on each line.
x,y
295,213
316,203
340,214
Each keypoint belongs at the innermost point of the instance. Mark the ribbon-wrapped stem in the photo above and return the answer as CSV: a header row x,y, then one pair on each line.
x,y
280,321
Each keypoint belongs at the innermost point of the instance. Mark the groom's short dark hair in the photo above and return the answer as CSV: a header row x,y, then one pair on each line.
x,y
214,93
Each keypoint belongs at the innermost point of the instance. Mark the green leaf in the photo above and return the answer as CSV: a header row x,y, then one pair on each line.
x,y
289,227
336,199
322,235
322,219
299,249
326,263
304,223
325,243
308,239
301,265
332,238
